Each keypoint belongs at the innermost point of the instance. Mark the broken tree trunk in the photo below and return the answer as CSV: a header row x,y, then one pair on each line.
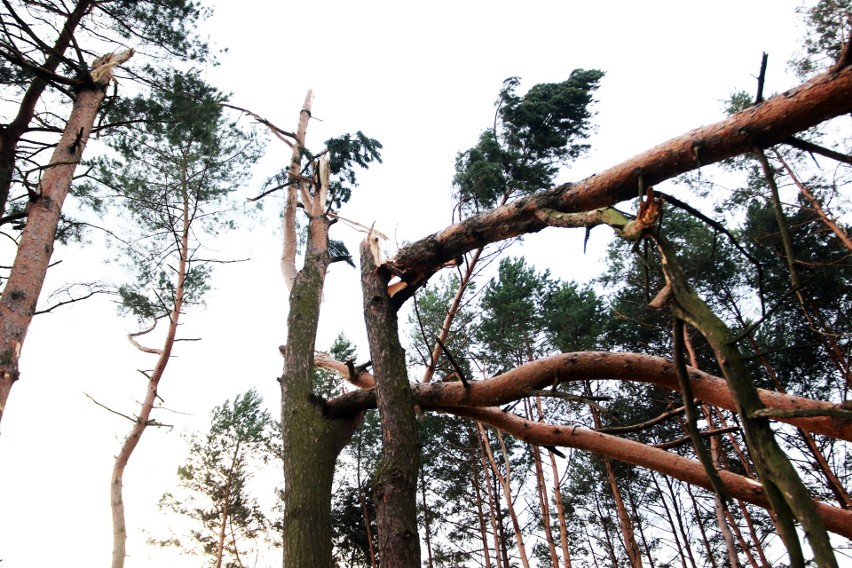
x,y
18,302
396,474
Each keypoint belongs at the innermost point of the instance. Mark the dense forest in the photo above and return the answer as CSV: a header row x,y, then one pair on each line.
x,y
685,407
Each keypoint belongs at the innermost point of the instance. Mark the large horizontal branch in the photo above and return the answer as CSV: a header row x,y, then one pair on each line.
x,y
594,365
836,520
771,122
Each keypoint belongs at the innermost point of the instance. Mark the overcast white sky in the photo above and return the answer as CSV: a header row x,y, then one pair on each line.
x,y
421,78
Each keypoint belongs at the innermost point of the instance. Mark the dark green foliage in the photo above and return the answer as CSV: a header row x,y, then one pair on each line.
x,y
339,253
511,330
345,153
168,24
533,136
825,272
215,478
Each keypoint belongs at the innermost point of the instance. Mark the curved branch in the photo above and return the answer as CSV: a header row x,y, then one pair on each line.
x,y
594,365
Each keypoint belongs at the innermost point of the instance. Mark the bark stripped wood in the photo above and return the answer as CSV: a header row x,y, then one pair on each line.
x,y
288,250
396,474
771,122
593,365
23,287
311,442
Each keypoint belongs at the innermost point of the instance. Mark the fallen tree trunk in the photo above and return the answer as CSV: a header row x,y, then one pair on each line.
x,y
589,365
768,123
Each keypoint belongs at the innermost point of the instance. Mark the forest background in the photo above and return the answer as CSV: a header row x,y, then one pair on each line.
x,y
419,79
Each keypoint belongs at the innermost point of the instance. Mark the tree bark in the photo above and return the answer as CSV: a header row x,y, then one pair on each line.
x,y
590,365
771,122
396,475
836,519
20,295
311,442
11,135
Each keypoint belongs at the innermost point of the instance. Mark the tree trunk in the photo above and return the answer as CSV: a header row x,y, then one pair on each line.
x,y
20,295
311,442
396,475
507,491
119,526
560,513
11,135
483,532
624,521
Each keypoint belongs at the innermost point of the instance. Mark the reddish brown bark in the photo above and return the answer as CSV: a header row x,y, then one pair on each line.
x,y
20,295
592,365
836,520
12,133
771,122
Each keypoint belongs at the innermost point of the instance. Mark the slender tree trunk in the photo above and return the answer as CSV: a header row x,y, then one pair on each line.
x,y
624,521
22,289
483,531
363,501
507,492
669,518
493,504
610,547
119,526
11,135
678,515
635,511
396,475
541,491
560,513
735,529
426,528
226,508
823,215
698,521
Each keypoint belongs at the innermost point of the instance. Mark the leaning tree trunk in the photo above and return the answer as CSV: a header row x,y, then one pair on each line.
x,y
11,135
18,302
396,475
